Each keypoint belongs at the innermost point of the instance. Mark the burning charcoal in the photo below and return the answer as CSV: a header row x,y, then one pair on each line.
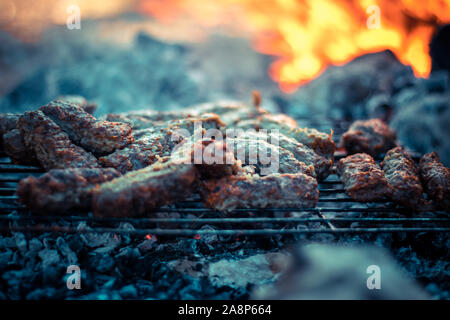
x,y
246,191
320,142
372,136
62,191
89,107
99,137
43,294
340,272
52,146
256,269
402,175
363,180
15,148
140,191
436,180
128,292
103,263
66,251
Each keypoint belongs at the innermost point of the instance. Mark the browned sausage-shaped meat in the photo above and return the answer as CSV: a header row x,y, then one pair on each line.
x,y
403,176
253,191
52,146
99,137
371,136
363,180
61,191
436,180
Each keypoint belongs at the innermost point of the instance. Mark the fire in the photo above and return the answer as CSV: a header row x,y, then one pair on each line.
x,y
306,36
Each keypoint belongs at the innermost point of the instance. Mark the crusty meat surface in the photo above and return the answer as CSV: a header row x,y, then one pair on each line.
x,y
212,158
267,157
99,137
8,122
151,144
51,145
370,136
14,147
436,180
320,142
140,191
402,175
302,153
61,191
89,107
363,180
254,191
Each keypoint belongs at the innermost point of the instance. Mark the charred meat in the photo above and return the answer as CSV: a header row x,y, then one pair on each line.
x,y
140,191
302,153
402,175
63,190
320,142
436,180
159,141
99,137
15,148
89,107
254,191
371,136
363,180
267,157
8,122
51,145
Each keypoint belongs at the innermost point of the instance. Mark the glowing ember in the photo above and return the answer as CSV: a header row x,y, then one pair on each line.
x,y
197,237
148,237
308,35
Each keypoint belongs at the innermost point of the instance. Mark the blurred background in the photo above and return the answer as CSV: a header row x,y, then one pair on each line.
x,y
320,59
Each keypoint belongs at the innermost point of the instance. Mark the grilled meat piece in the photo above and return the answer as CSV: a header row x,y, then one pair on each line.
x,y
212,158
436,180
302,153
139,191
267,157
152,144
52,146
89,107
371,136
15,148
254,191
62,191
320,142
402,175
99,137
363,180
8,122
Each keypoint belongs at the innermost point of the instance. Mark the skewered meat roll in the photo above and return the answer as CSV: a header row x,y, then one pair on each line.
x,y
63,190
403,176
363,180
52,146
254,191
371,136
436,180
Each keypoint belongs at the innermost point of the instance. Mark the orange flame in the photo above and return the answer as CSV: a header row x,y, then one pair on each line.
x,y
308,35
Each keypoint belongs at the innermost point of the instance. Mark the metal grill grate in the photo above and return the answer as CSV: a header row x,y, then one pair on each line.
x,y
336,213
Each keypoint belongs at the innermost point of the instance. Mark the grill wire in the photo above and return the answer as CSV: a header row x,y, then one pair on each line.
x,y
335,212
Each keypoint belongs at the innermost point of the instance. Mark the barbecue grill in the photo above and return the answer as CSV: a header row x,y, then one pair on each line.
x,y
336,213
